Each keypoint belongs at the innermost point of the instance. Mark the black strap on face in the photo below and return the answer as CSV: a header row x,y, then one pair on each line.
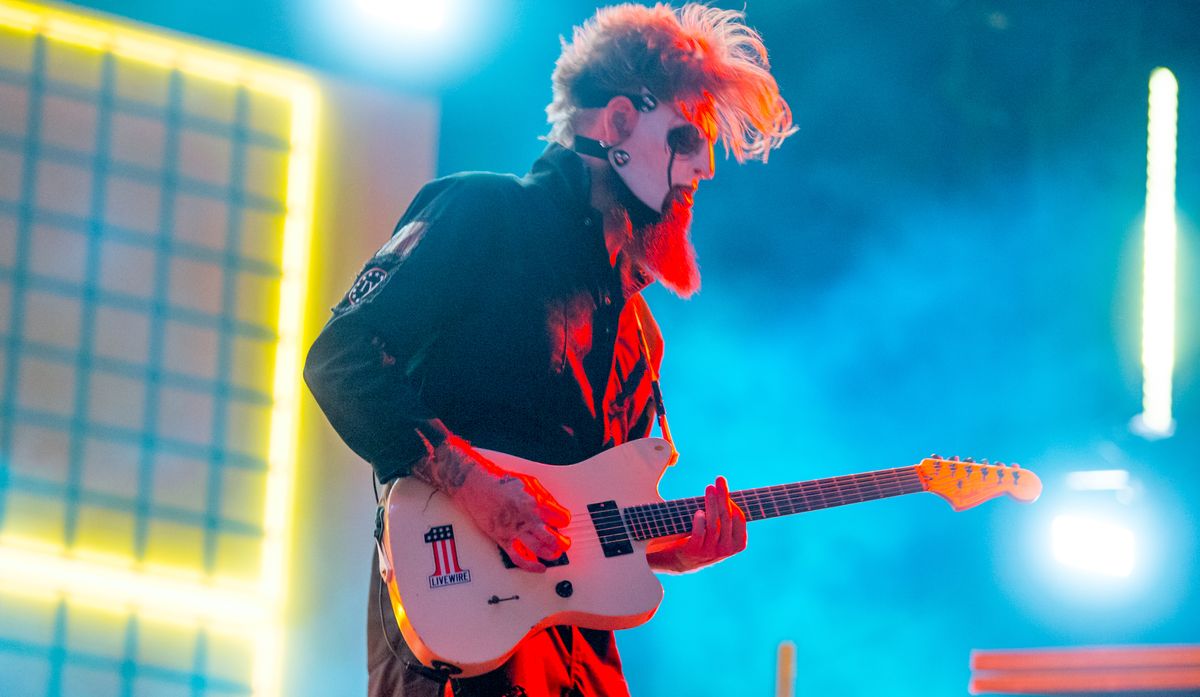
x,y
642,101
591,147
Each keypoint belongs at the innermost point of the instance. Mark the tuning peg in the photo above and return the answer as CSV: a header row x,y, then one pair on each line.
x,y
935,456
1016,466
955,458
984,461
969,459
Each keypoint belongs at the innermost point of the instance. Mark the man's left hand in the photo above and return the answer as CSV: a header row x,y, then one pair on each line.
x,y
718,532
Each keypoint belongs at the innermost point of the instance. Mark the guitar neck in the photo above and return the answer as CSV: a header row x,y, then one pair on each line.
x,y
669,518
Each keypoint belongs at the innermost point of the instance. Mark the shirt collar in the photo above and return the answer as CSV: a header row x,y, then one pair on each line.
x,y
565,174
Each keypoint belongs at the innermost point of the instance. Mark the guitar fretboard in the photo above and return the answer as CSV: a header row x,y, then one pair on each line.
x,y
668,518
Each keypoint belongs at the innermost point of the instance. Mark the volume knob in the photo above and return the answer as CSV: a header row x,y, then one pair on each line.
x,y
564,589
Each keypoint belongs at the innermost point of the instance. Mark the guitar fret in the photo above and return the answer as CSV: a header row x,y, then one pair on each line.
x,y
822,489
655,521
799,491
762,512
778,500
789,503
641,514
676,522
875,490
652,521
668,518
764,500
635,527
635,530
692,505
854,485
873,480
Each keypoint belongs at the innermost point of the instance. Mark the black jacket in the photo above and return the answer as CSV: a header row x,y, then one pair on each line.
x,y
493,308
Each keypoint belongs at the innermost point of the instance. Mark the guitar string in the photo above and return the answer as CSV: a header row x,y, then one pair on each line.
x,y
674,517
659,516
784,492
588,537
667,518
789,495
664,517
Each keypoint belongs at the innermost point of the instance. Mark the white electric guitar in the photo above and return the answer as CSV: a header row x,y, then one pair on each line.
x,y
463,606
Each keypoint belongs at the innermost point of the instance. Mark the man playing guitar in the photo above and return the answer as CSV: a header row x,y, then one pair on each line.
x,y
505,314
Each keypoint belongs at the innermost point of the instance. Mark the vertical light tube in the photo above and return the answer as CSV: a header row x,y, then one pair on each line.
x,y
1158,285
285,414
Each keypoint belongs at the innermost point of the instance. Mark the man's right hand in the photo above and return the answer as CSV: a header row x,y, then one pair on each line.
x,y
513,509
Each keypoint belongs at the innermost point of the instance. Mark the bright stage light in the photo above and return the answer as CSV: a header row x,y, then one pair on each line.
x,y
1093,545
174,594
1158,290
1119,482
1098,480
420,43
406,15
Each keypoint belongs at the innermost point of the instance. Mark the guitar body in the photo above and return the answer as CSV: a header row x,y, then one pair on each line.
x,y
460,606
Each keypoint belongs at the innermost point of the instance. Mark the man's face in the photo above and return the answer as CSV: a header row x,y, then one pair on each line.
x,y
662,151
692,148
664,245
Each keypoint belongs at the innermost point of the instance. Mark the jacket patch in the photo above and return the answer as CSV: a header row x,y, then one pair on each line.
x,y
403,241
368,283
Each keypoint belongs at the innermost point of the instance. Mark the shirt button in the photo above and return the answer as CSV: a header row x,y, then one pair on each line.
x,y
587,222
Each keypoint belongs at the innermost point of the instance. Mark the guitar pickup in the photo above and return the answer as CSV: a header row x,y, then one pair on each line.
x,y
508,562
614,536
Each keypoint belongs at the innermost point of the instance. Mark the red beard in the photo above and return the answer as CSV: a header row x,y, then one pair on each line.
x,y
665,249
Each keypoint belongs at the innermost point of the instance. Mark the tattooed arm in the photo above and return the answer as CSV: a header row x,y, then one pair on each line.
x,y
512,509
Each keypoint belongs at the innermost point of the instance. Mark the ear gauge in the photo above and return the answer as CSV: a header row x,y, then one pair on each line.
x,y
620,158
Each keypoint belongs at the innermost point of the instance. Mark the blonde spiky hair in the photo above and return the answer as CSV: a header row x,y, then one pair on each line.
x,y
705,60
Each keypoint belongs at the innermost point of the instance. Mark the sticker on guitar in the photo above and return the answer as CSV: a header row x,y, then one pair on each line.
x,y
446,570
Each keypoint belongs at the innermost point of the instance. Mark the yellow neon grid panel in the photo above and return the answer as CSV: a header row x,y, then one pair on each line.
x,y
154,228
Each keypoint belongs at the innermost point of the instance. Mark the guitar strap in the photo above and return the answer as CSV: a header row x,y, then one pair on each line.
x,y
660,408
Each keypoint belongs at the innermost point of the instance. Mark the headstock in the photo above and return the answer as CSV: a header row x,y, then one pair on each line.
x,y
966,483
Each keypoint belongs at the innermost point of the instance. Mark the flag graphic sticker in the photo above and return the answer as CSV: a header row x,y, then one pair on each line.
x,y
446,569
